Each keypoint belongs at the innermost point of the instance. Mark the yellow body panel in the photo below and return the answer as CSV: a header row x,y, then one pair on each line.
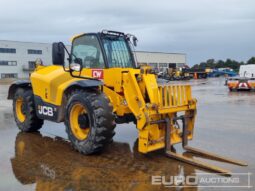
x,y
50,82
76,36
130,90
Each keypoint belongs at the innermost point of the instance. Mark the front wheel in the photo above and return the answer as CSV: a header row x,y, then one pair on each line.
x,y
24,111
89,121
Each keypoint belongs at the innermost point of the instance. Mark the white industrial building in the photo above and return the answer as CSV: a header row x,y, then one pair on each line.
x,y
17,58
160,60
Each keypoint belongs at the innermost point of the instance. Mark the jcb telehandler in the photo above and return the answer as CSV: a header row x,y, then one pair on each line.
x,y
100,86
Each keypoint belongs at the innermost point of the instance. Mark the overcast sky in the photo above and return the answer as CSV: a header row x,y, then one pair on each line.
x,y
202,29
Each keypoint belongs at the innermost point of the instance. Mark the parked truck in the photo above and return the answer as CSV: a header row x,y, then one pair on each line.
x,y
245,80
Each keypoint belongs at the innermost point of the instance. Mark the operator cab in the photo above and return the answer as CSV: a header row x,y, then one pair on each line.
x,y
107,49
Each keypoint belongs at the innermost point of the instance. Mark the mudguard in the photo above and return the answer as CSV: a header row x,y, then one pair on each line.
x,y
17,84
54,112
84,84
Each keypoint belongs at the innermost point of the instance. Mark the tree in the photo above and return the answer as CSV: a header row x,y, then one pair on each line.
x,y
196,66
229,63
251,60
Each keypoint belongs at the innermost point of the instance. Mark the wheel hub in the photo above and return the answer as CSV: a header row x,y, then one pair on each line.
x,y
79,121
21,110
83,121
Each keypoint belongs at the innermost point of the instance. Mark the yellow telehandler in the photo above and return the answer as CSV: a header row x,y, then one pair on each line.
x,y
101,85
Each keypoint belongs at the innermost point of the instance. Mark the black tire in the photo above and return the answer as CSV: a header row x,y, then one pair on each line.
x,y
100,117
32,122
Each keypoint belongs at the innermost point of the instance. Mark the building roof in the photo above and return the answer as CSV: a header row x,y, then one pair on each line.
x,y
142,51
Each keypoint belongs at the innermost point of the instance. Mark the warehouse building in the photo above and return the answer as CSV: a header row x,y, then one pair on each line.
x,y
161,60
17,59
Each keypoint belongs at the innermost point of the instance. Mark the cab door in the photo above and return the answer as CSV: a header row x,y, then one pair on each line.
x,y
88,49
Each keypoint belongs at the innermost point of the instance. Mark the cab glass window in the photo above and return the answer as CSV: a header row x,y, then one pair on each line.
x,y
87,48
117,52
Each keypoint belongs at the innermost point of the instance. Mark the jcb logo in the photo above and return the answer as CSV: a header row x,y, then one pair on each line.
x,y
99,74
44,110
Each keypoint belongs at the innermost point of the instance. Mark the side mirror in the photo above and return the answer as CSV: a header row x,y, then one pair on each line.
x,y
76,65
58,53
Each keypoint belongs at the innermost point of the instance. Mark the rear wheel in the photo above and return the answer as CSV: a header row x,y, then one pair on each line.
x,y
89,121
24,111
